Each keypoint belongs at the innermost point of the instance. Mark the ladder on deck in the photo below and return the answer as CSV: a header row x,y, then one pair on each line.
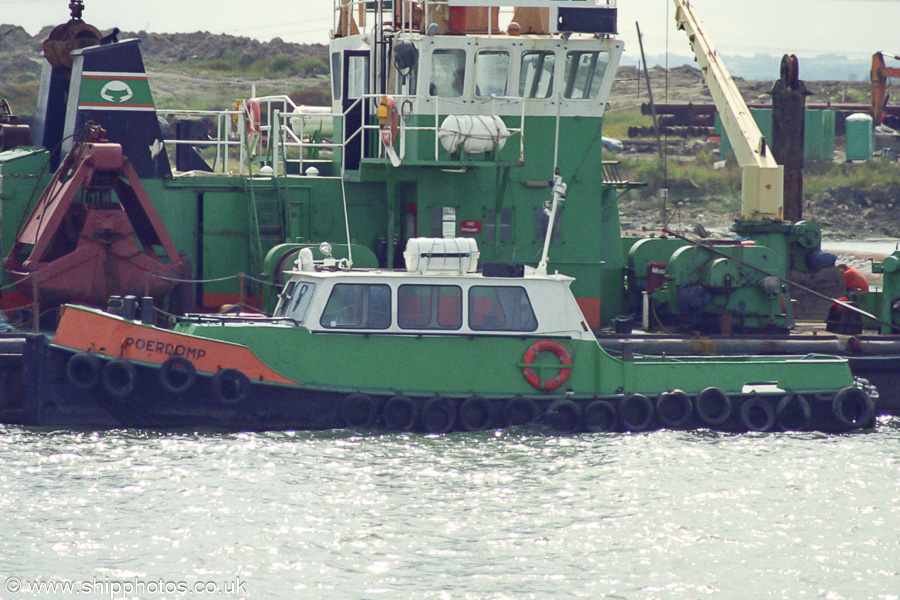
x,y
267,226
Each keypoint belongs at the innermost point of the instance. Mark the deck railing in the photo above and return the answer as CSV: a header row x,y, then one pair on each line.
x,y
289,137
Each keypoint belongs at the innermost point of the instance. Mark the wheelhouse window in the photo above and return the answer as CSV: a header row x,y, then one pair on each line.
x,y
491,73
536,74
294,300
358,306
500,308
357,76
429,307
448,73
584,74
336,75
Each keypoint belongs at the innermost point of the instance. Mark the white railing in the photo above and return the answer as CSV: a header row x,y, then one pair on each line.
x,y
223,141
291,135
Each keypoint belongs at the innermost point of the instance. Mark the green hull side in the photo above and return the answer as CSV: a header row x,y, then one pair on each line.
x,y
492,367
652,375
209,218
23,177
426,365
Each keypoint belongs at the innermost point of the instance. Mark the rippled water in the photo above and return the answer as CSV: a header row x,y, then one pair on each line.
x,y
506,514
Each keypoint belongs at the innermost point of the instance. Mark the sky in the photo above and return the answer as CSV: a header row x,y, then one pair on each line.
x,y
853,28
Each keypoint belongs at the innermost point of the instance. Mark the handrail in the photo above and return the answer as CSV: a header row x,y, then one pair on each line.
x,y
285,135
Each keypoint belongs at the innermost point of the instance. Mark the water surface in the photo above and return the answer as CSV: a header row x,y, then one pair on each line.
x,y
508,514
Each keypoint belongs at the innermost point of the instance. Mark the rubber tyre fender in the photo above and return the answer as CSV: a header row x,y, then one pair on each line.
x,y
475,414
519,411
438,415
674,409
359,410
793,413
636,412
230,387
600,417
83,370
166,372
564,416
757,415
400,413
713,406
853,408
118,377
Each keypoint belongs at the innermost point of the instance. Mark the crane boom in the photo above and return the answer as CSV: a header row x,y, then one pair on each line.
x,y
762,179
880,74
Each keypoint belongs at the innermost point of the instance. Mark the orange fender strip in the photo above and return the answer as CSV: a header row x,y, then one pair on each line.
x,y
81,329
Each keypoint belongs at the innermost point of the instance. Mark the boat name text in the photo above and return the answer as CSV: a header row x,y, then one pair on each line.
x,y
164,348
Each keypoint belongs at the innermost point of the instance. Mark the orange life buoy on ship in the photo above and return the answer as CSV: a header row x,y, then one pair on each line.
x,y
251,115
387,115
565,362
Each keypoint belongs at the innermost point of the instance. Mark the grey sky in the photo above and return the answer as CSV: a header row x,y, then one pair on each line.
x,y
855,28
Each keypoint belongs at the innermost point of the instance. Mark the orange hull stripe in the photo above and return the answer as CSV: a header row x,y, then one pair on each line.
x,y
83,330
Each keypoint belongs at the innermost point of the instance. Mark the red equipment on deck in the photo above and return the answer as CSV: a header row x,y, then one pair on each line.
x,y
94,233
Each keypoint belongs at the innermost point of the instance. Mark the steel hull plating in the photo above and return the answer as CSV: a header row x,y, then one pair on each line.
x,y
51,399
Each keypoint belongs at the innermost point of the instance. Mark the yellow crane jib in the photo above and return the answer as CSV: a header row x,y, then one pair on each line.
x,y
762,180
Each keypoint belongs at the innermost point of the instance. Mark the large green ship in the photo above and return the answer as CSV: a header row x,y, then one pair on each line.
x,y
478,121
474,120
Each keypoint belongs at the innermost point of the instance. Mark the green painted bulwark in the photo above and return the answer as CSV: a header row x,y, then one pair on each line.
x,y
454,366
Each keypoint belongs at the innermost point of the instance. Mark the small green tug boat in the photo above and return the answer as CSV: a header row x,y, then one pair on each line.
x,y
438,347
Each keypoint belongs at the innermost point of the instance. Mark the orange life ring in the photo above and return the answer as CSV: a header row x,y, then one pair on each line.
x,y
564,359
251,115
387,115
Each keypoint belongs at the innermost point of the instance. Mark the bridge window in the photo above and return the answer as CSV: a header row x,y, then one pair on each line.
x,y
491,73
294,300
500,308
536,74
357,76
448,73
358,306
336,75
584,74
429,307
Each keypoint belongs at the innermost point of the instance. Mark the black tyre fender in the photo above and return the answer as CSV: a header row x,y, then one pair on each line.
x,y
519,411
172,379
793,413
674,409
757,414
853,408
564,416
118,377
713,406
359,410
83,370
475,413
230,387
636,412
438,415
400,413
600,417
